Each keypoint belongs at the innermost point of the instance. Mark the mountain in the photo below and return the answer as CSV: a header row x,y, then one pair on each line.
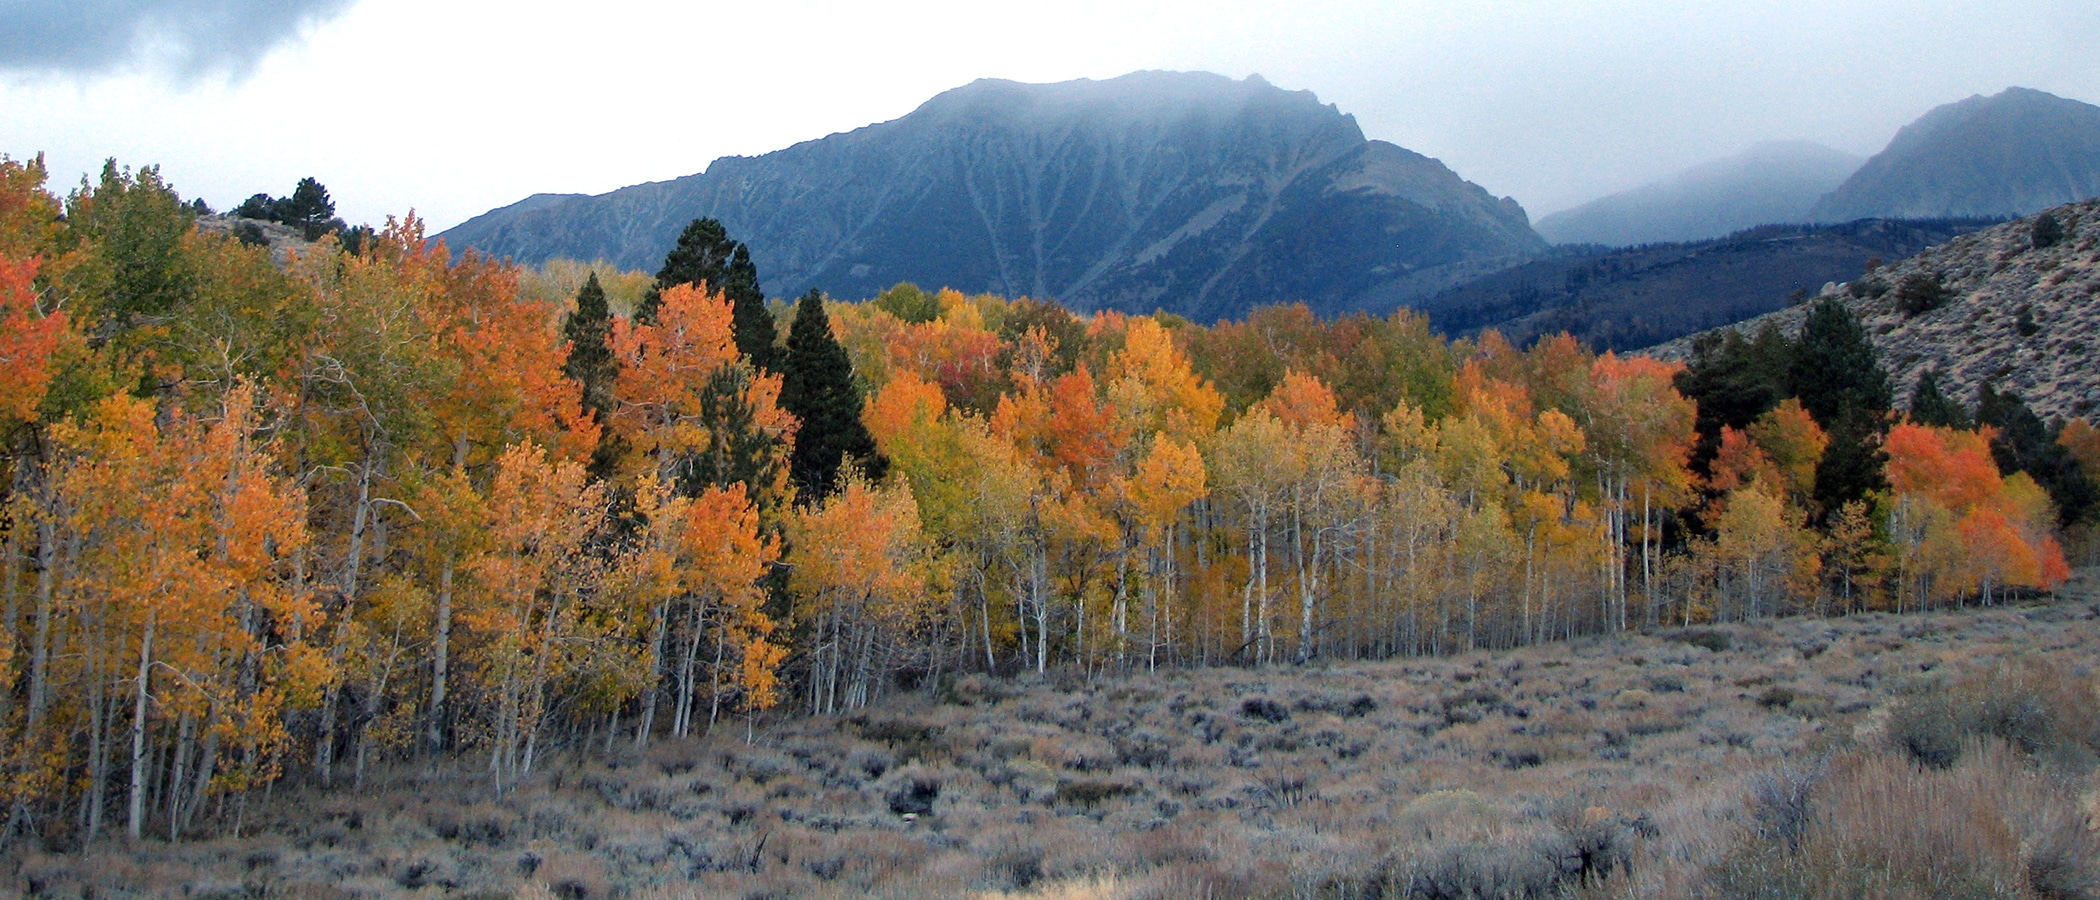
x,y
1637,296
2013,154
2024,317
1769,183
1188,192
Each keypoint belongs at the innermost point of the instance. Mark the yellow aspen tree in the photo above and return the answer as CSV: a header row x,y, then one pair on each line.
x,y
859,581
534,576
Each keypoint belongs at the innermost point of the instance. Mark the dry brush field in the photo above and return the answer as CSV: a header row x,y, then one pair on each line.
x,y
1931,755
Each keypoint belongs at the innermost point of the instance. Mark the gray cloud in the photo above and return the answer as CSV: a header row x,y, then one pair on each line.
x,y
188,37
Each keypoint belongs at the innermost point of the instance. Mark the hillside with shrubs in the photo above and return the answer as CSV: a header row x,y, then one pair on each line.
x,y
2015,307
1933,755
298,549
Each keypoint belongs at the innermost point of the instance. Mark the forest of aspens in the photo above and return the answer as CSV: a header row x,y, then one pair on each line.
x,y
367,502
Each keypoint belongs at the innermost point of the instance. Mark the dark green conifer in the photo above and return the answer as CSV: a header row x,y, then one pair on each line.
x,y
591,363
1930,406
706,255
2024,443
1838,377
1734,380
308,209
1834,368
1853,463
817,387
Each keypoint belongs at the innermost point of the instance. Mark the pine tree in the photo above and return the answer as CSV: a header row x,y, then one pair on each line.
x,y
309,208
1853,461
1734,381
1929,406
817,387
706,255
592,365
1834,368
2024,443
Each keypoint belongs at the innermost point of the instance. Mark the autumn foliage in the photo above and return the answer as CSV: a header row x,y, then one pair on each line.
x,y
268,522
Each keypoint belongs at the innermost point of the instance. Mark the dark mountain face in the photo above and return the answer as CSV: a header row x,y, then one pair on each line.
x,y
1769,183
1623,299
1191,193
2013,154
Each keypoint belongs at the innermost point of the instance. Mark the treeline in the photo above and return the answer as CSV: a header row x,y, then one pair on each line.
x,y
266,522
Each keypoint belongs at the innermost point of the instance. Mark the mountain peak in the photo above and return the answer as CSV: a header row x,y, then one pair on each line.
x,y
1185,191
2013,153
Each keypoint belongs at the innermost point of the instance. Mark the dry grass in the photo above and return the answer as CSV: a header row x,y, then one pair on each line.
x,y
1932,755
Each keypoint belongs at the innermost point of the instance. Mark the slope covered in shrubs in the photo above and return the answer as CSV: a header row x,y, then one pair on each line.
x,y
1928,755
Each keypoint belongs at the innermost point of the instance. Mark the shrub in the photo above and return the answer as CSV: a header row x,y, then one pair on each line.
x,y
2032,706
1779,804
1361,705
1090,792
1264,709
2046,231
1919,293
1534,867
1469,706
250,234
1865,288
1777,697
871,762
915,795
1880,827
1717,641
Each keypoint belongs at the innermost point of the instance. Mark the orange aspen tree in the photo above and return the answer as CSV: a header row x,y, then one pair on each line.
x,y
1163,406
535,577
1167,481
690,408
1960,527
859,581
1640,434
701,558
28,338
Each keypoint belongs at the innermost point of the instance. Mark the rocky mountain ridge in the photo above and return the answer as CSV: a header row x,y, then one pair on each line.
x,y
2014,153
2006,305
1187,192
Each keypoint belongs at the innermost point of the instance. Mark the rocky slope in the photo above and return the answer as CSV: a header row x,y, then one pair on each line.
x,y
2023,317
2012,154
1771,182
1187,192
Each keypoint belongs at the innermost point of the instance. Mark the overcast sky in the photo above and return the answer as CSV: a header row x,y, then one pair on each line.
x,y
452,107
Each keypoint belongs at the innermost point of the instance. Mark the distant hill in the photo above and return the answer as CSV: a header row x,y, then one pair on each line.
x,y
1634,297
2013,154
1771,182
2026,318
1188,192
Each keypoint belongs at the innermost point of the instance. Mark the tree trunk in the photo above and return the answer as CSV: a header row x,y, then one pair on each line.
x,y
324,748
135,823
441,661
656,674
